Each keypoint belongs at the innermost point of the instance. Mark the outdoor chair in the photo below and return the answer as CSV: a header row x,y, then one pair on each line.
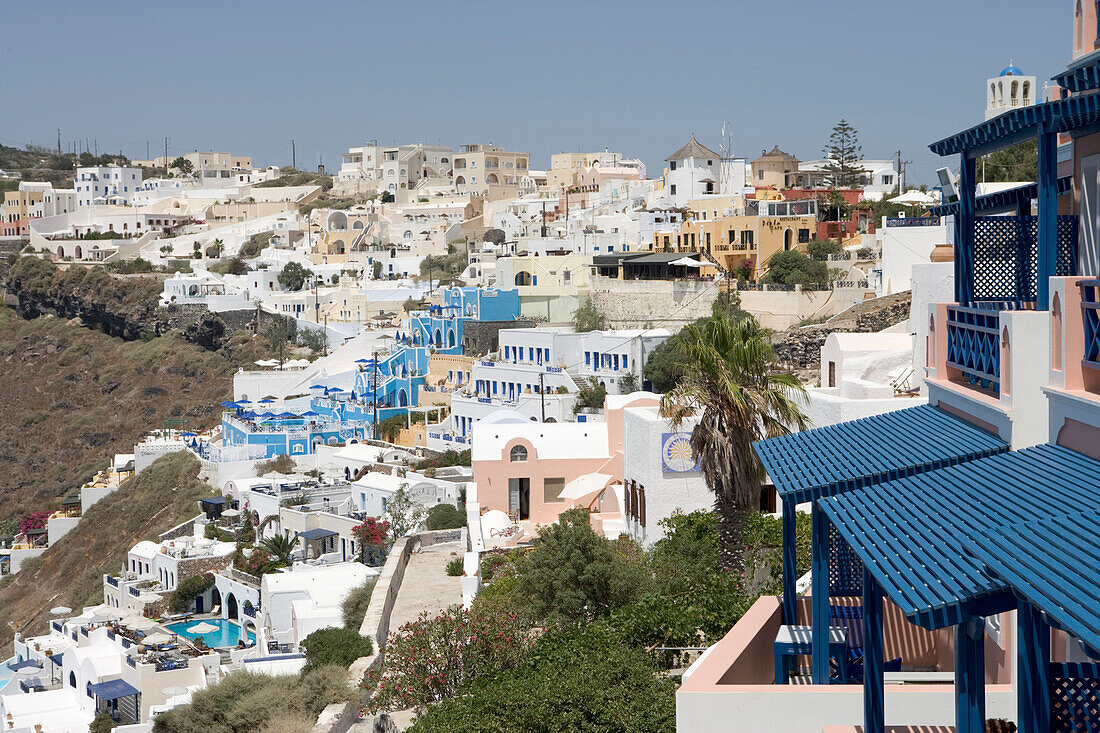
x,y
851,618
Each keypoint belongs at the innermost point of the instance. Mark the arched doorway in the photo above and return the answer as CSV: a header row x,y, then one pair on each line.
x,y
402,398
232,612
788,239
450,338
215,599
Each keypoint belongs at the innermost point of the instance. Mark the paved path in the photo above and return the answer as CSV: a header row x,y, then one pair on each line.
x,y
426,585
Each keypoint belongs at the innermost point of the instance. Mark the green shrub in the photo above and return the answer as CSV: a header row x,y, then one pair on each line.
x,y
455,567
445,516
334,646
354,607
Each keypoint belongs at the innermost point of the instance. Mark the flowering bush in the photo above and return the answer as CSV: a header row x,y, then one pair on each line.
x,y
34,520
371,536
430,658
258,562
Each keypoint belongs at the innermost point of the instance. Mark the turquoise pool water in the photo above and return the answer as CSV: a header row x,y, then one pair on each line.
x,y
5,672
227,635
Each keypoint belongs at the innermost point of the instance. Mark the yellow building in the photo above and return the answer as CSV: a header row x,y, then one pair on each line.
x,y
478,167
766,228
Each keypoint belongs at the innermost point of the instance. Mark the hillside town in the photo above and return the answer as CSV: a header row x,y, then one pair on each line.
x,y
461,437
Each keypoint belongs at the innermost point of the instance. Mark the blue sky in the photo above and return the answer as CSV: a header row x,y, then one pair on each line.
x,y
544,77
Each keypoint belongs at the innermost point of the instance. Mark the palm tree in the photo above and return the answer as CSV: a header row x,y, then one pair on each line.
x,y
732,384
280,546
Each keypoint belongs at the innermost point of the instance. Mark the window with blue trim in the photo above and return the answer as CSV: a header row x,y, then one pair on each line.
x,y
506,352
615,362
588,358
625,365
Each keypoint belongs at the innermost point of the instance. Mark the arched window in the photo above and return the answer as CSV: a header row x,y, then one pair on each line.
x,y
1027,93
1006,363
518,454
930,346
72,680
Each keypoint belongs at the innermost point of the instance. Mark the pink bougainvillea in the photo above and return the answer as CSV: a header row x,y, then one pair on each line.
x,y
34,520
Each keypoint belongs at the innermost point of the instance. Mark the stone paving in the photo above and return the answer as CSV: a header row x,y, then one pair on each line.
x,y
426,585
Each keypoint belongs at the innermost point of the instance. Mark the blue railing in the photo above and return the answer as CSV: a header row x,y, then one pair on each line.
x,y
134,591
1090,313
249,611
112,581
974,345
1074,696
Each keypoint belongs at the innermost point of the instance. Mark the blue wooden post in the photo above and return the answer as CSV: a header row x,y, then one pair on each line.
x,y
790,569
1033,670
874,655
964,238
820,568
970,676
1048,214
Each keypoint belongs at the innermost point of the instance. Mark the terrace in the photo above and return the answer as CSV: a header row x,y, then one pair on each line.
x,y
924,541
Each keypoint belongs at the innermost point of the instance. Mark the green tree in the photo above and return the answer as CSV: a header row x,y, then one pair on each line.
x,y
574,575
188,589
183,165
331,645
736,390
214,251
390,428
587,317
579,680
591,396
376,269
445,516
628,383
794,268
1019,162
667,363
404,514
277,336
820,250
294,276
102,723
280,546
844,154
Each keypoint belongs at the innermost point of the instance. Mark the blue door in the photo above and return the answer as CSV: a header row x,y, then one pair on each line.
x,y
198,604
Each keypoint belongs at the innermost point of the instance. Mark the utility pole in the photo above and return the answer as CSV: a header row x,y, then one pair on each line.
x,y
147,150
96,142
293,155
165,157
59,142
542,393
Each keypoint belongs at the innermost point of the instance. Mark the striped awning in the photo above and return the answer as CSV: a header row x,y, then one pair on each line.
x,y
837,458
947,544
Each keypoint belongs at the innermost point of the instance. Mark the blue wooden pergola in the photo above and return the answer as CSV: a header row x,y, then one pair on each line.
x,y
1076,115
822,462
953,545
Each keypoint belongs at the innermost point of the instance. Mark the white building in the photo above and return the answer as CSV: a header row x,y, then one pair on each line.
x,y
374,168
693,171
111,184
905,243
301,600
1008,90
656,483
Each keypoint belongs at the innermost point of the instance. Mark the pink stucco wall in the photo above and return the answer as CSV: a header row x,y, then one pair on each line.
x,y
492,476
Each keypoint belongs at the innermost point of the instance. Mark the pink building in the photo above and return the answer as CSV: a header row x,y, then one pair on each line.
x,y
522,467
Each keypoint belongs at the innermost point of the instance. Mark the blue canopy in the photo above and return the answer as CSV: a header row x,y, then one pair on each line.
x,y
837,458
316,386
266,401
1053,564
56,659
310,413
229,404
316,534
24,664
214,500
915,534
112,689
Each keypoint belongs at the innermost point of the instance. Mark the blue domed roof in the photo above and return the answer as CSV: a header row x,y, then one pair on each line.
x,y
1011,70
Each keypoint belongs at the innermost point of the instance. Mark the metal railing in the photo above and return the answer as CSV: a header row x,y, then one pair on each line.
x,y
974,345
1090,314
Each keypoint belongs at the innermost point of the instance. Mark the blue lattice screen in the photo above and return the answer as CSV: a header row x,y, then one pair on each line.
x,y
1075,698
845,568
1006,256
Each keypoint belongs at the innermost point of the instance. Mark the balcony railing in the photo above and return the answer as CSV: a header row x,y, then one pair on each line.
x,y
974,346
1090,307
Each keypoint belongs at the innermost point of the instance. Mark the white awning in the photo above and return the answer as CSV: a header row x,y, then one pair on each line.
x,y
585,485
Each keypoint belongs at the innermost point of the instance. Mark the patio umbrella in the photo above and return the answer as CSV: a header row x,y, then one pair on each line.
x,y
229,404
231,513
202,628
584,485
157,639
141,624
914,198
60,610
174,690
686,262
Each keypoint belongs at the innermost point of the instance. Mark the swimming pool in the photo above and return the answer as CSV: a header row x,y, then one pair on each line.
x,y
5,672
227,635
